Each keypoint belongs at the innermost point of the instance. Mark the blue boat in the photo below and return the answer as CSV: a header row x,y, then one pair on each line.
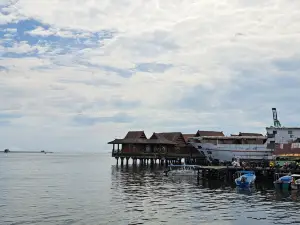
x,y
245,178
283,182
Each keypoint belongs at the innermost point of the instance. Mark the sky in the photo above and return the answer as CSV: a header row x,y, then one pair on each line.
x,y
75,74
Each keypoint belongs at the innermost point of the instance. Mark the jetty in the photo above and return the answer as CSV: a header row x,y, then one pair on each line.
x,y
229,172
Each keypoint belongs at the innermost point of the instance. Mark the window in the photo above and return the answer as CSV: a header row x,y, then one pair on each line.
x,y
290,132
291,136
274,131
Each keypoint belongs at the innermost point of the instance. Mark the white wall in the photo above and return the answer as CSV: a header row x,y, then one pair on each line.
x,y
283,134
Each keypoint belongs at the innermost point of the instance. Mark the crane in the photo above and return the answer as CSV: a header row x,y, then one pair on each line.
x,y
275,119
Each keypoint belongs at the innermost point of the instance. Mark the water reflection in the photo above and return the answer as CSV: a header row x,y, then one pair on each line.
x,y
210,201
86,189
245,190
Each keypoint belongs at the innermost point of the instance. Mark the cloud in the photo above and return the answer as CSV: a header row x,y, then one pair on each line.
x,y
9,116
117,118
93,71
3,68
288,64
6,119
153,67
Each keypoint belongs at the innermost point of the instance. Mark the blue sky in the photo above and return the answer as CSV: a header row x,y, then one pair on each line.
x,y
75,75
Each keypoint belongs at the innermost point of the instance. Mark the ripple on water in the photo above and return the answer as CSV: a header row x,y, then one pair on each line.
x,y
88,190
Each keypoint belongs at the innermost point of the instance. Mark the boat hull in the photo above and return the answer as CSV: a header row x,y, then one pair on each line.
x,y
282,186
225,153
250,182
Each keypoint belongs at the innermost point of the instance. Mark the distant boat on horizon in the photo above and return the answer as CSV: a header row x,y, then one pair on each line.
x,y
9,151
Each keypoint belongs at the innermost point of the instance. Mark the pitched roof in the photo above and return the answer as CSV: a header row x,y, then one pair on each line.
x,y
135,135
171,136
139,137
129,141
209,133
160,139
142,141
250,134
187,136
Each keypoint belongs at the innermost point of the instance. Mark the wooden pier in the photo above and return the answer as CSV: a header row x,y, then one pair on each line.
x,y
228,172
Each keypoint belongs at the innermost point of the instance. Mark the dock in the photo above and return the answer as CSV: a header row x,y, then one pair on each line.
x,y
228,172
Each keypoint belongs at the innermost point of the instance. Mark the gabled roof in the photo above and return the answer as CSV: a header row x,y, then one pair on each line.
x,y
128,141
139,137
171,136
174,137
135,135
209,133
160,139
250,134
187,136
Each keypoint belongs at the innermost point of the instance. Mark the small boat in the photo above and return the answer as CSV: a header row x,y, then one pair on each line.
x,y
245,178
283,182
181,170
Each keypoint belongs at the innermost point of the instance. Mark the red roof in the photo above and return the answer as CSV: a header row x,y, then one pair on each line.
x,y
187,136
135,135
209,133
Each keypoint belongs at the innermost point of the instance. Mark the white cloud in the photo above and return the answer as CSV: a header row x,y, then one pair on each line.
x,y
40,31
212,47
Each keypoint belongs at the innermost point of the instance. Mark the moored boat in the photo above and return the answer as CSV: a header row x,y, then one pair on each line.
x,y
248,146
245,178
225,149
283,182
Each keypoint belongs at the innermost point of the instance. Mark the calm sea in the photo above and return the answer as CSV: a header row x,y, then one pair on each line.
x,y
90,189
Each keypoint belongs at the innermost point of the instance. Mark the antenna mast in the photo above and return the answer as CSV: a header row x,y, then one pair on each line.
x,y
275,119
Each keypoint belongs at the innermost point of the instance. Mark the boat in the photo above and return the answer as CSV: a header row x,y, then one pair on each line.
x,y
182,170
246,146
283,182
226,149
245,178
